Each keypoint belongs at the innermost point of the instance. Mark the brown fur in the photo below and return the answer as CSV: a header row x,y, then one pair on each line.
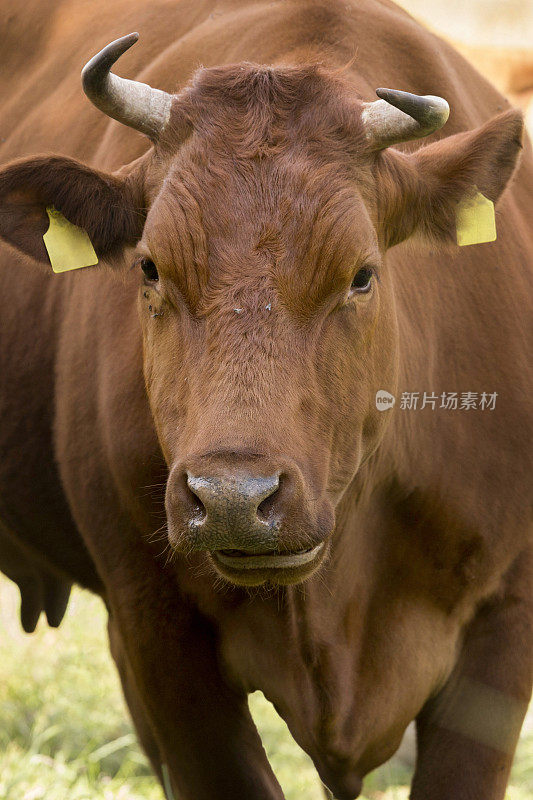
x,y
258,206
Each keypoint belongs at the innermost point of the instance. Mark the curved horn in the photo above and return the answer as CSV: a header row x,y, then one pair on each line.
x,y
402,116
130,102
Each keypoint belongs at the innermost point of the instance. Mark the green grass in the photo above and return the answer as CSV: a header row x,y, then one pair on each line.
x,y
65,732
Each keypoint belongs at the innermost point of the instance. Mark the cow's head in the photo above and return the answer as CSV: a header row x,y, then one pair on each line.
x,y
260,221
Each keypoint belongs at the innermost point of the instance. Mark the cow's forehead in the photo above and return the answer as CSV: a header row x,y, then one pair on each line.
x,y
269,169
228,211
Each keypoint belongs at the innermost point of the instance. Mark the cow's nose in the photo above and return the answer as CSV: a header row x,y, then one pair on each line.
x,y
241,497
235,511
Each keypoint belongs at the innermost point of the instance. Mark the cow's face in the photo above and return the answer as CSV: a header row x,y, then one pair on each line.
x,y
266,304
268,322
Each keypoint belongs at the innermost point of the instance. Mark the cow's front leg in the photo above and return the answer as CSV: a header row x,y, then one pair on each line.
x,y
137,711
201,725
467,735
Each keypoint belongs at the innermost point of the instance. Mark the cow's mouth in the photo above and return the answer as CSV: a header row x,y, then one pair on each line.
x,y
255,568
238,559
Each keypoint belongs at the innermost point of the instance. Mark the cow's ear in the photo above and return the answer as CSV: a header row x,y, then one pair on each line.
x,y
418,193
107,207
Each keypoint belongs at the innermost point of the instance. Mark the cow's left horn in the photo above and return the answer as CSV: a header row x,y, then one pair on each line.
x,y
130,102
402,116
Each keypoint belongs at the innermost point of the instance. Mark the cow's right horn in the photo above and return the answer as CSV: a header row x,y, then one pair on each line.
x,y
402,116
130,102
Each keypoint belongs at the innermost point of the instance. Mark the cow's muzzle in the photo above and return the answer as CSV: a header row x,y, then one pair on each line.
x,y
256,526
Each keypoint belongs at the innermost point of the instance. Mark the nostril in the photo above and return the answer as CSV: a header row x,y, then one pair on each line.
x,y
198,507
193,503
266,508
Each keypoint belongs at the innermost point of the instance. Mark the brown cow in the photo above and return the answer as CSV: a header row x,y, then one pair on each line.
x,y
245,271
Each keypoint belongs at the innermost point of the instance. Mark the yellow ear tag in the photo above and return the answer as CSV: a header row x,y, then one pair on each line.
x,y
68,246
475,220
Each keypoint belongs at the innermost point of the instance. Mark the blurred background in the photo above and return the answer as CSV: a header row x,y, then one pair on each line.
x,y
506,23
65,731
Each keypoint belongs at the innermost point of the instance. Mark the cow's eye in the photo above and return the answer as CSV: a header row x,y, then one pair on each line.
x,y
149,269
362,281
